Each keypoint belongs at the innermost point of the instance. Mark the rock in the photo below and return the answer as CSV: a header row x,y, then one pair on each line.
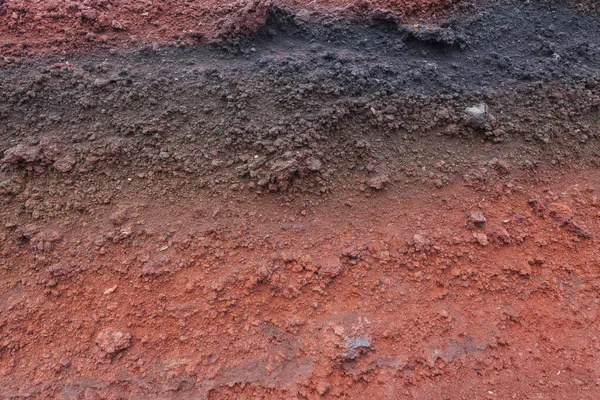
x,y
501,235
112,342
579,230
65,362
116,25
49,147
525,270
421,243
302,16
330,267
378,182
356,346
479,117
560,213
21,153
476,219
432,353
64,164
264,272
499,165
537,206
110,290
481,238
313,164
11,187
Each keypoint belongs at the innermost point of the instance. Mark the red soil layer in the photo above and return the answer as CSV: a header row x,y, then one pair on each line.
x,y
389,295
29,27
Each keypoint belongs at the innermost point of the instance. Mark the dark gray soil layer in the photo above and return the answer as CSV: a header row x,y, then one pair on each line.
x,y
301,104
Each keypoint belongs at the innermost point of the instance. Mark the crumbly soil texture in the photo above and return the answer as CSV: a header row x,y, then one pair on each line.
x,y
300,200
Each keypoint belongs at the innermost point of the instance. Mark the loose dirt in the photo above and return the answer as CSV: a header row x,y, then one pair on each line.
x,y
299,200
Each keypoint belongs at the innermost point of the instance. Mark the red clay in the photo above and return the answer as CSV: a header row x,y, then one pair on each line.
x,y
30,27
393,296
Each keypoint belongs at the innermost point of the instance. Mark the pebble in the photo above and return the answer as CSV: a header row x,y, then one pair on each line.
x,y
378,182
476,218
478,116
356,346
481,238
111,341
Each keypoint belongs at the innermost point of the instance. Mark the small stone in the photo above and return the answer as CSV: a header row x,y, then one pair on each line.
x,y
264,272
481,238
120,216
313,164
501,235
420,242
579,230
111,341
117,25
378,182
525,270
331,267
478,116
156,266
537,206
323,387
476,218
356,346
110,290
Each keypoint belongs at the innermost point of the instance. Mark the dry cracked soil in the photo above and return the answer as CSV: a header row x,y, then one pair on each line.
x,y
299,199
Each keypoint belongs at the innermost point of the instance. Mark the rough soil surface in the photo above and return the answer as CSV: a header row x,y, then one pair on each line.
x,y
304,200
29,26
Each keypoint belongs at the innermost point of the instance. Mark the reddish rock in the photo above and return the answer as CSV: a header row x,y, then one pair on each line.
x,y
111,341
476,219
378,182
21,153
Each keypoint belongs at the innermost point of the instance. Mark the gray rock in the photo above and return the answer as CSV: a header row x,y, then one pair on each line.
x,y
356,346
479,117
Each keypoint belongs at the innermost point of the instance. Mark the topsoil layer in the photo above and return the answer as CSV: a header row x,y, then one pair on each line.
x,y
30,27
